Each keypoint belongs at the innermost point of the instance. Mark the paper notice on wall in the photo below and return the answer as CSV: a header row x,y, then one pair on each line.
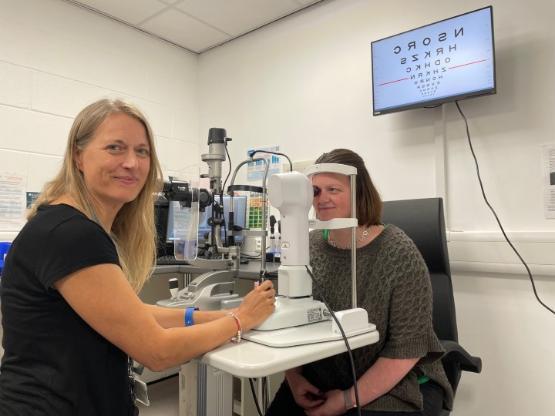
x,y
549,168
12,201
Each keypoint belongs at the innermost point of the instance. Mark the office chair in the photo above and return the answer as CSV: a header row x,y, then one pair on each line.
x,y
422,220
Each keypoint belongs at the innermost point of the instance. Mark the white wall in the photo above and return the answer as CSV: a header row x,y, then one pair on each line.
x,y
304,83
55,58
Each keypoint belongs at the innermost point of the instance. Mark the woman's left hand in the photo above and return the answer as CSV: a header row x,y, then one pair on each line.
x,y
334,405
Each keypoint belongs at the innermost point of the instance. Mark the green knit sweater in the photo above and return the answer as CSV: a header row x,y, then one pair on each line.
x,y
393,285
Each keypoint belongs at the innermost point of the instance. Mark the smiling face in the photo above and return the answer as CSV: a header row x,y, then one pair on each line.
x,y
332,196
116,162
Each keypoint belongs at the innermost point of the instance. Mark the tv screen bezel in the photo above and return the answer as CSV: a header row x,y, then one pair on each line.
x,y
438,101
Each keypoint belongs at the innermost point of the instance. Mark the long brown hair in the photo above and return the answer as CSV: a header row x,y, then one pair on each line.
x,y
369,203
133,230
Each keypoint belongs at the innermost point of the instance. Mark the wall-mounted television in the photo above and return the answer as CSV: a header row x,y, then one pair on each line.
x,y
444,61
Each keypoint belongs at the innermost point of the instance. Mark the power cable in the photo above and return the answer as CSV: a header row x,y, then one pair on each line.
x,y
495,214
229,159
251,382
253,152
350,353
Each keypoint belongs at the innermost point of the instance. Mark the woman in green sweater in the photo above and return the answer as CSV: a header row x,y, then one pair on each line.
x,y
400,374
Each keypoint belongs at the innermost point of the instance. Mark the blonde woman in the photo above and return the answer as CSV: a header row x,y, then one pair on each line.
x,y
71,314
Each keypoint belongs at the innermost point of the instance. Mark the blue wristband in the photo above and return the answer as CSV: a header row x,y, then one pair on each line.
x,y
189,316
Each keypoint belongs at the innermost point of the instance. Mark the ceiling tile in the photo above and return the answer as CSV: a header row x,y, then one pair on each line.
x,y
196,25
238,16
184,30
130,11
307,2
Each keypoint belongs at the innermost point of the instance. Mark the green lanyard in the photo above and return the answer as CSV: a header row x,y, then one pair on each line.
x,y
326,234
423,379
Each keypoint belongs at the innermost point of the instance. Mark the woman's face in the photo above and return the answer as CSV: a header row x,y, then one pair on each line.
x,y
332,196
116,162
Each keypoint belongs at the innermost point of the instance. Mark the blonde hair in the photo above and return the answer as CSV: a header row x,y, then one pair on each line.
x,y
133,229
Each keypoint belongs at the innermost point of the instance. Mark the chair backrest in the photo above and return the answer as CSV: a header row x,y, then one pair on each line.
x,y
422,220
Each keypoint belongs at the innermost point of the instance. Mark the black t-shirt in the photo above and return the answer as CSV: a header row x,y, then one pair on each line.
x,y
54,363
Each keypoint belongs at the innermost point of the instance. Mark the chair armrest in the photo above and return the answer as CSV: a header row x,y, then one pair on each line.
x,y
457,354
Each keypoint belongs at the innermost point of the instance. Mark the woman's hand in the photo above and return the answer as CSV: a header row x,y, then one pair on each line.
x,y
257,305
334,405
305,394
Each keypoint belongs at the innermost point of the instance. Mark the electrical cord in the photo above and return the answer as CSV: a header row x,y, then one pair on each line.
x,y
495,214
350,353
251,382
252,153
265,398
223,223
229,159
223,186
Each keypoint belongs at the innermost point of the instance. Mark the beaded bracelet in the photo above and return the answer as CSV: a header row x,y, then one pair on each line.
x,y
236,338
